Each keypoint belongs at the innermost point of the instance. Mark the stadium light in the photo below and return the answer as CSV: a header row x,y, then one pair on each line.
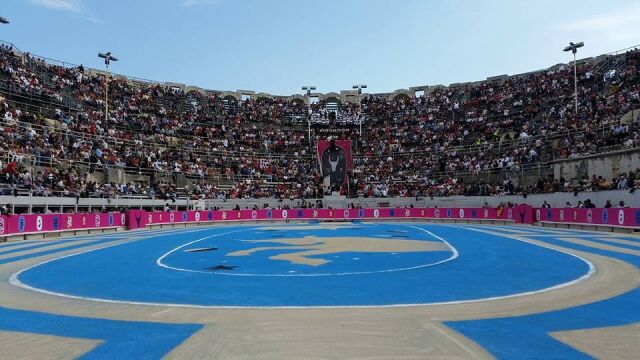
x,y
308,89
574,49
108,58
359,87
3,20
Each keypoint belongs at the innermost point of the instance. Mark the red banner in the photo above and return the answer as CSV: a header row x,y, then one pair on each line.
x,y
334,157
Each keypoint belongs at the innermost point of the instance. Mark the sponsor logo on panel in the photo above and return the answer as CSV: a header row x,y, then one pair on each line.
x,y
22,223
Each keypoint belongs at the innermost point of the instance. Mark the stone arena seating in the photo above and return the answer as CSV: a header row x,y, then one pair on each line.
x,y
167,141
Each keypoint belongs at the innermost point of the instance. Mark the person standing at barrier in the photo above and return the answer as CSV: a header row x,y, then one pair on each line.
x,y
6,210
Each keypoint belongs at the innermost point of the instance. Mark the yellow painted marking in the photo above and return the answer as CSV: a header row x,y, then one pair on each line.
x,y
314,246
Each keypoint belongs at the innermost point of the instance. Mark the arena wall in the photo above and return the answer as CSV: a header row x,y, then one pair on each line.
x,y
607,165
558,200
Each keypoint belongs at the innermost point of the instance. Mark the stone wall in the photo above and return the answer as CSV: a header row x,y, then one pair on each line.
x,y
609,165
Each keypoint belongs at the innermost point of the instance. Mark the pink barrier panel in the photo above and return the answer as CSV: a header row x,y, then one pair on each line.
x,y
16,224
3,225
520,214
139,218
136,219
597,216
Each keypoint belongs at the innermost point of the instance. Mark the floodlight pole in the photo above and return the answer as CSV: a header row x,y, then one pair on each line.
x,y
574,49
359,88
575,82
308,89
106,95
108,58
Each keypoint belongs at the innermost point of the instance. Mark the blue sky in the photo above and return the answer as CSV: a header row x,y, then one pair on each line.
x,y
277,46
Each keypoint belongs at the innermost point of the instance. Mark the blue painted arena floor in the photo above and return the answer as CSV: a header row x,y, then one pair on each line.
x,y
298,266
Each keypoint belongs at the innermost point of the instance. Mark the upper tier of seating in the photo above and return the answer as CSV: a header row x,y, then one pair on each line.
x,y
408,145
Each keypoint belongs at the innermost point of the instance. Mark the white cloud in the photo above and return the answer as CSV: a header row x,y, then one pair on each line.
x,y
76,7
616,27
191,3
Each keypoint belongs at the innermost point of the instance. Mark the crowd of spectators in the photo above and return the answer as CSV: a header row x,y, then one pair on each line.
x,y
432,145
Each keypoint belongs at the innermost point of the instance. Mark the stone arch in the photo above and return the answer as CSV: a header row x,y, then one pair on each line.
x,y
230,102
195,89
230,99
400,95
298,100
263,96
230,94
332,96
332,99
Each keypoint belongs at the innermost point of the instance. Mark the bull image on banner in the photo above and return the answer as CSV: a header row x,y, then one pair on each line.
x,y
334,157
